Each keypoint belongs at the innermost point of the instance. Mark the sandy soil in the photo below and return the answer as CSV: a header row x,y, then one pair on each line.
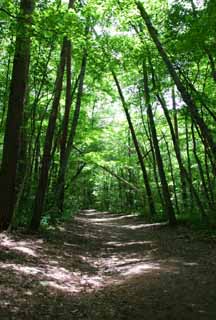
x,y
103,266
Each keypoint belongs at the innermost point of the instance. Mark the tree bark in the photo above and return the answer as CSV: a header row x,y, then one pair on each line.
x,y
200,168
172,175
188,99
151,205
16,103
151,151
46,159
67,149
165,188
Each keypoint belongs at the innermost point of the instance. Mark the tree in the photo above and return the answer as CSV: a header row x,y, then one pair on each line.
x,y
152,211
16,104
166,193
207,136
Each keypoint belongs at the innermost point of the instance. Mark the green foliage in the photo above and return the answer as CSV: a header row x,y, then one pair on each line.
x,y
117,40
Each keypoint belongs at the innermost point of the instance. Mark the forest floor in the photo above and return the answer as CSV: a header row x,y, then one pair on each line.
x,y
102,266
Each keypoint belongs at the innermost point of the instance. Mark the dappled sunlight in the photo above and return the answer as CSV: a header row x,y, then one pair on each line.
x,y
143,226
108,219
22,269
25,250
90,259
112,218
60,228
62,287
28,247
128,244
112,262
190,264
120,265
90,212
71,245
141,268
75,284
57,277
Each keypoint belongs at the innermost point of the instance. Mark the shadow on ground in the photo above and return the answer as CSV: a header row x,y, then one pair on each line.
x,y
106,266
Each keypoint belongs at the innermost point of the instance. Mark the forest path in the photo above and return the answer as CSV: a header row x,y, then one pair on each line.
x,y
103,266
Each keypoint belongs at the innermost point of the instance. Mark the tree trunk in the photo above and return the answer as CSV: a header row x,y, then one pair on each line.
x,y
152,151
63,141
151,205
46,159
67,149
175,115
5,96
200,168
15,115
165,188
209,141
172,175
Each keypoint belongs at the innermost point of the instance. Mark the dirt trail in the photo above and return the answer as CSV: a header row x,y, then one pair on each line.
x,y
107,267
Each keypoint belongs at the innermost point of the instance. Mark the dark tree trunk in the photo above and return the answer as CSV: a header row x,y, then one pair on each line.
x,y
152,151
63,141
200,168
130,174
188,99
172,175
165,188
207,51
5,97
176,148
67,149
46,159
175,115
15,115
152,210
173,131
120,178
23,165
64,136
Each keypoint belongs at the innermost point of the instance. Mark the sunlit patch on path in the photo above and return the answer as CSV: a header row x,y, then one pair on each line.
x,y
106,266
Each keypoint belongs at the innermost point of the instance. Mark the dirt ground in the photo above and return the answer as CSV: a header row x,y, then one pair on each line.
x,y
103,266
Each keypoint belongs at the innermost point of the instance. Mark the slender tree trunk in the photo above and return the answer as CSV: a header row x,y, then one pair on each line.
x,y
152,210
46,159
5,97
200,168
165,188
129,193
207,51
67,149
209,141
22,165
174,133
175,115
120,178
187,138
152,151
16,103
172,175
210,182
199,96
176,148
68,103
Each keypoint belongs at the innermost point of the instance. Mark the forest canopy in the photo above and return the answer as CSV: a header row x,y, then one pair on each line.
x,y
107,105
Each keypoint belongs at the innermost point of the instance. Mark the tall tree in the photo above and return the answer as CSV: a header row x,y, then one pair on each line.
x,y
188,99
67,144
152,210
47,154
16,104
46,159
166,193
